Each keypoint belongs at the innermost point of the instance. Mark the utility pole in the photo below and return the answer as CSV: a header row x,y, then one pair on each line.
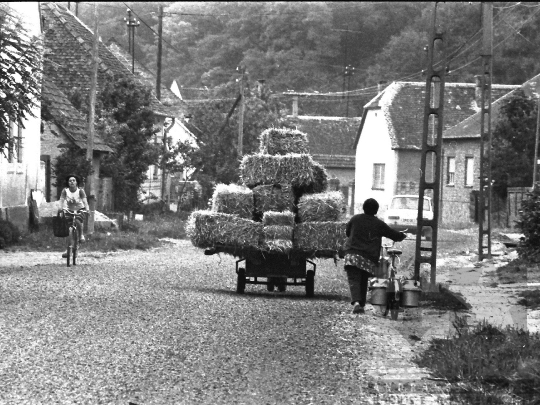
x,y
76,9
535,163
131,24
91,113
485,134
158,96
159,53
242,107
349,71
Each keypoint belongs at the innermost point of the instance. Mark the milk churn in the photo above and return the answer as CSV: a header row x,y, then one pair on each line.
x,y
411,293
378,292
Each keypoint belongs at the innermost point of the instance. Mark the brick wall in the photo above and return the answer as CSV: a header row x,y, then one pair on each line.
x,y
456,199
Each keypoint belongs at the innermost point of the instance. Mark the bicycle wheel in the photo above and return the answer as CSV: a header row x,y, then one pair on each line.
x,y
75,242
68,255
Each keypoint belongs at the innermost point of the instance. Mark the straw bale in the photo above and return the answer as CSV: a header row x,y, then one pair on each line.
x,y
278,218
208,228
278,245
281,141
294,169
278,232
321,207
233,199
312,236
276,197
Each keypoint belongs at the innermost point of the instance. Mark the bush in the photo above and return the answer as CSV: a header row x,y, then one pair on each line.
x,y
486,362
530,226
9,233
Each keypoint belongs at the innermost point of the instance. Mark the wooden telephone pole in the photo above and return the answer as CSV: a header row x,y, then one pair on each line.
x,y
90,187
485,135
242,108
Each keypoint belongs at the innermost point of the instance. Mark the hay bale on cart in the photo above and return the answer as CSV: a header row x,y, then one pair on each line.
x,y
233,199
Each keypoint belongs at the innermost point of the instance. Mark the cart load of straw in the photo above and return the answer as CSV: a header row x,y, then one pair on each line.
x,y
208,228
319,183
233,199
281,141
278,238
294,169
285,218
320,236
276,197
321,207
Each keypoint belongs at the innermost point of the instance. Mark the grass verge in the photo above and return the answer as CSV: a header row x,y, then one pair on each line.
x,y
486,364
134,235
530,299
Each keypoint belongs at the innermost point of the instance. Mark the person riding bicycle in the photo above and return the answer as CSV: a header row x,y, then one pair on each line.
x,y
362,249
74,198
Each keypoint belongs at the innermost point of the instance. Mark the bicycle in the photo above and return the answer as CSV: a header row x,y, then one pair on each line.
x,y
393,297
72,240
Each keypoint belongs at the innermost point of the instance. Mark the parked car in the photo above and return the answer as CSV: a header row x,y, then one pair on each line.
x,y
402,214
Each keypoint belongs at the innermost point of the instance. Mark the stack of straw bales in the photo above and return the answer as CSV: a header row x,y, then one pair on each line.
x,y
278,228
263,214
233,199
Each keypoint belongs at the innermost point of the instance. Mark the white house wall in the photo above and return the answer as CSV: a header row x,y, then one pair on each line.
x,y
374,146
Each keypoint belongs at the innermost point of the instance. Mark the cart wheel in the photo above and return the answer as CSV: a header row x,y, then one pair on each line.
x,y
270,285
282,287
310,283
241,281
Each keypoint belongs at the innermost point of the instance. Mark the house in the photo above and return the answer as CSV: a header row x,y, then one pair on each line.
x,y
389,139
63,125
461,174
20,166
68,49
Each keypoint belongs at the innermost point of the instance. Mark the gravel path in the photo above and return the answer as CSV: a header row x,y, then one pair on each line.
x,y
167,327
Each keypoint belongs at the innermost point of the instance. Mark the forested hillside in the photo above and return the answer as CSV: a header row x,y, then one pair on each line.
x,y
305,46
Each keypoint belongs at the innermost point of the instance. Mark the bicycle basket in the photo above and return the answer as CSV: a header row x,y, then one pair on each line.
x,y
60,226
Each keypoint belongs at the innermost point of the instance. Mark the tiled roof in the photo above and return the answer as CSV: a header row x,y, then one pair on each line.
x,y
332,136
470,127
402,104
335,161
168,98
68,50
67,118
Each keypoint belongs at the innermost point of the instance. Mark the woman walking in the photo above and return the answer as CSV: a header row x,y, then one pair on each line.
x,y
363,248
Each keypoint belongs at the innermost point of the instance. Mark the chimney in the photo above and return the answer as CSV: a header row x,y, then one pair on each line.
x,y
380,85
478,90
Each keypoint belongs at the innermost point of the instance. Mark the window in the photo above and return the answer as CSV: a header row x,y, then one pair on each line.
x,y
451,171
469,171
378,176
15,154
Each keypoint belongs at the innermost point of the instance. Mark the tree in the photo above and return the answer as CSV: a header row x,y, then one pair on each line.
x,y
20,68
126,122
72,160
513,143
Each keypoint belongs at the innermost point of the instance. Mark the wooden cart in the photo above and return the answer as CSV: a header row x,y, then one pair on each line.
x,y
274,269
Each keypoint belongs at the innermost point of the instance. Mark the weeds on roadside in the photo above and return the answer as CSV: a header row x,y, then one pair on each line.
x,y
134,235
486,362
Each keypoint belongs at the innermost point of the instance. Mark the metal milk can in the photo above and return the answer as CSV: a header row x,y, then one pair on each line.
x,y
411,293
